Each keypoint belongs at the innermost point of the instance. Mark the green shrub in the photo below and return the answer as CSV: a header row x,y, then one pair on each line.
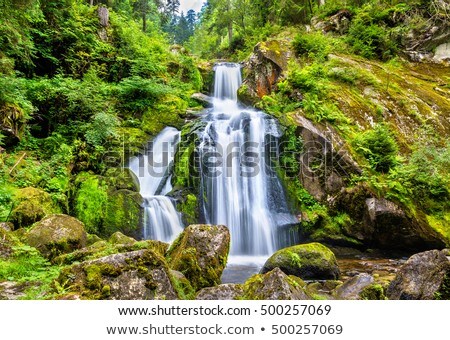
x,y
102,127
136,94
312,45
379,147
369,38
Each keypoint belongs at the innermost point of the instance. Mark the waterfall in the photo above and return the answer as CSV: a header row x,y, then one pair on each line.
x,y
161,221
239,188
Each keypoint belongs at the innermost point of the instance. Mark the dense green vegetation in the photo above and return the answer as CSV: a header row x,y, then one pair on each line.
x,y
73,90
86,83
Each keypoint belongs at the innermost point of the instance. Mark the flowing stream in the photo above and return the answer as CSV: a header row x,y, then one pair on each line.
x,y
161,221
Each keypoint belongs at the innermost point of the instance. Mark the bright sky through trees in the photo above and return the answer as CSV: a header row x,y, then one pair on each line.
x,y
186,5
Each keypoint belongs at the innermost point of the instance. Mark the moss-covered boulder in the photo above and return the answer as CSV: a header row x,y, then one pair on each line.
x,y
123,212
103,248
122,178
221,292
274,285
200,252
137,275
57,234
425,276
32,205
307,261
119,238
264,68
380,223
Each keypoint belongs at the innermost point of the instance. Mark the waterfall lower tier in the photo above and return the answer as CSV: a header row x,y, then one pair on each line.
x,y
161,220
153,166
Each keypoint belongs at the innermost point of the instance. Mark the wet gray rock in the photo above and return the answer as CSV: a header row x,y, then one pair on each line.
x,y
425,276
221,292
274,285
10,290
203,99
353,287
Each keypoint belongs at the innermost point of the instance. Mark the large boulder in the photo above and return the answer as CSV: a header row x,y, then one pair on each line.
x,y
425,276
382,223
118,243
263,69
57,234
274,285
200,253
326,165
307,261
32,206
338,23
390,227
137,275
222,292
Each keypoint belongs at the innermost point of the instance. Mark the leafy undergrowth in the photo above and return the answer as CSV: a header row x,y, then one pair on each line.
x,y
27,266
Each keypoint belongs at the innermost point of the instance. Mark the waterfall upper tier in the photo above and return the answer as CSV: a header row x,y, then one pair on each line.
x,y
239,187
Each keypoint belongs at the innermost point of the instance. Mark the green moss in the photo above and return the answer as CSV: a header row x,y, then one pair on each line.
x,y
444,290
93,277
183,165
308,261
189,209
57,234
373,292
123,212
183,287
251,287
91,198
189,255
166,113
31,205
133,139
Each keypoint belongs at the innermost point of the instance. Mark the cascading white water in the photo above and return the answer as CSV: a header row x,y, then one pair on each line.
x,y
161,221
239,187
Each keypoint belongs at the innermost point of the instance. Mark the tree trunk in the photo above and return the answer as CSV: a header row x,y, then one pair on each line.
x,y
91,2
230,33
144,22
